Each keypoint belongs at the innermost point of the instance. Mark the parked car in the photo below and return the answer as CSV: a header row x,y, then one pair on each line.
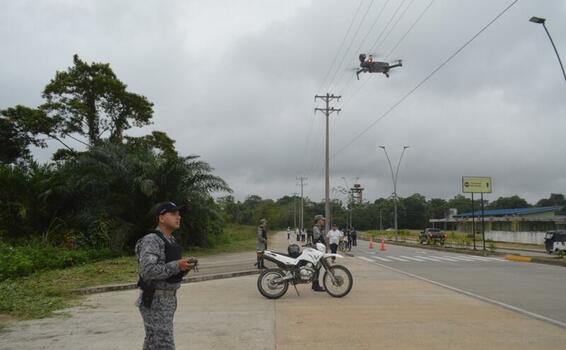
x,y
432,236
555,241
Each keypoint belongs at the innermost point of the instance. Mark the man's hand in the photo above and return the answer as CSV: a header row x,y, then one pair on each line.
x,y
187,264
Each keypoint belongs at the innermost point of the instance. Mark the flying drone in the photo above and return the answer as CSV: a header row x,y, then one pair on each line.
x,y
368,65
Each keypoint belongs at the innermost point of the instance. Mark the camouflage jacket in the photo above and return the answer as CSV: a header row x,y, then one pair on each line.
x,y
150,251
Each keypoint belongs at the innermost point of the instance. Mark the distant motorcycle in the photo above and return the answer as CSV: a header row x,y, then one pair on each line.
x,y
298,267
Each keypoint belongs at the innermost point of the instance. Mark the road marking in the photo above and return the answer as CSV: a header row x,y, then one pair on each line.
x,y
430,258
382,259
486,259
459,258
366,259
396,258
477,296
443,258
482,258
411,258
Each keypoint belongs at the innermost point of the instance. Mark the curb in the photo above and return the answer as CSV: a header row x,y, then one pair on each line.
x,y
524,250
518,258
452,250
554,262
130,286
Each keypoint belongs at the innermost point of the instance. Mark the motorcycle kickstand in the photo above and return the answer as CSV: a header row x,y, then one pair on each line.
x,y
296,290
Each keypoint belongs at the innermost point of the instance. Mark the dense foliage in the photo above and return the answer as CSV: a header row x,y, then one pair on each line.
x,y
414,212
98,198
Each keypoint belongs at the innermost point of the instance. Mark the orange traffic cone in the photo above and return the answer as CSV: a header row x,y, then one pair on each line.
x,y
371,243
382,245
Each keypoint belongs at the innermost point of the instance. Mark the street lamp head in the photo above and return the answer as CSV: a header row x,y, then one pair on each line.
x,y
405,147
538,20
383,147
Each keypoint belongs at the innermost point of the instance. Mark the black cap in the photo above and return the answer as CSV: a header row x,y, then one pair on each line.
x,y
168,207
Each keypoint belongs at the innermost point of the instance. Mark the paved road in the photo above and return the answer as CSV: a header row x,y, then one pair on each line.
x,y
385,309
534,288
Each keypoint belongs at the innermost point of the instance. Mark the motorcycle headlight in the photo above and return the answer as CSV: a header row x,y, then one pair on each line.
x,y
321,247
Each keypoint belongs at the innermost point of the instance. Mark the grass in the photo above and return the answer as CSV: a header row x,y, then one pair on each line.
x,y
236,238
41,294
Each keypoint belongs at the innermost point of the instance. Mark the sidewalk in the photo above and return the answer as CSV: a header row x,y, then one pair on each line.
x,y
384,310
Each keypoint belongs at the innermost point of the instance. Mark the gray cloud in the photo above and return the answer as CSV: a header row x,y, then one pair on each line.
x,y
234,82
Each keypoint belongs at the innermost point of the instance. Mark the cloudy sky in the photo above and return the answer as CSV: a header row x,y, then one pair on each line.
x,y
234,82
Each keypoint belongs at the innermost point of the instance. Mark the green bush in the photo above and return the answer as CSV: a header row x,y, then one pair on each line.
x,y
18,261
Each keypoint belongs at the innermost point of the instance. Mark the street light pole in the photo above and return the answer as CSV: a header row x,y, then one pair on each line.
x,y
394,178
542,21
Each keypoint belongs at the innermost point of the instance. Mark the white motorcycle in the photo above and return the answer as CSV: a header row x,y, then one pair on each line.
x,y
298,267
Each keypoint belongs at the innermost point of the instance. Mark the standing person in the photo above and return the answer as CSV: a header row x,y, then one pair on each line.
x,y
261,243
318,230
348,240
354,237
334,237
309,236
318,236
288,233
298,232
161,269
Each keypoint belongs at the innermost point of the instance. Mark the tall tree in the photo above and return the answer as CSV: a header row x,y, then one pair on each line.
x,y
463,204
555,200
437,208
20,128
509,203
89,100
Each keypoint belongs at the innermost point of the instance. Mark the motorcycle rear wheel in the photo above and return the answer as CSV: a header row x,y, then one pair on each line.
x,y
342,283
268,288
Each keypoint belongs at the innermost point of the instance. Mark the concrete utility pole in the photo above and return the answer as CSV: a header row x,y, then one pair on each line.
x,y
350,192
327,112
302,211
295,209
394,178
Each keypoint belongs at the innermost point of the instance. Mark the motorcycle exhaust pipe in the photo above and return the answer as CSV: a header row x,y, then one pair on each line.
x,y
283,279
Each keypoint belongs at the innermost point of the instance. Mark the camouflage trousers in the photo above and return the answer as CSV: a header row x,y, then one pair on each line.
x,y
158,321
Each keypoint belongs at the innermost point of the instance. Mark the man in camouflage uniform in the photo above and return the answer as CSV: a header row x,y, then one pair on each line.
x,y
318,236
261,242
161,269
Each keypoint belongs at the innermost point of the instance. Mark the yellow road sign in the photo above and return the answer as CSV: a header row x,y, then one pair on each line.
x,y
476,184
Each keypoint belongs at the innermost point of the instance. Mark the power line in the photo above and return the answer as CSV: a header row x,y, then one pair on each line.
x,y
409,30
373,25
394,25
424,80
307,136
417,20
374,47
364,39
351,42
341,44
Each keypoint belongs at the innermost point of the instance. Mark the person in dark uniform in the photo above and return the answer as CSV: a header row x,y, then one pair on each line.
x,y
161,269
261,243
318,236
354,235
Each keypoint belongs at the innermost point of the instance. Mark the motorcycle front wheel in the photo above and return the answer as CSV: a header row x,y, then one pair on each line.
x,y
338,281
268,287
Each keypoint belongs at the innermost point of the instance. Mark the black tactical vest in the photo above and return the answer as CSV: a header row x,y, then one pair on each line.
x,y
173,252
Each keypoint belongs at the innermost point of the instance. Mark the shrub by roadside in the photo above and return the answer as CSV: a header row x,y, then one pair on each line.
x,y
39,294
23,260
